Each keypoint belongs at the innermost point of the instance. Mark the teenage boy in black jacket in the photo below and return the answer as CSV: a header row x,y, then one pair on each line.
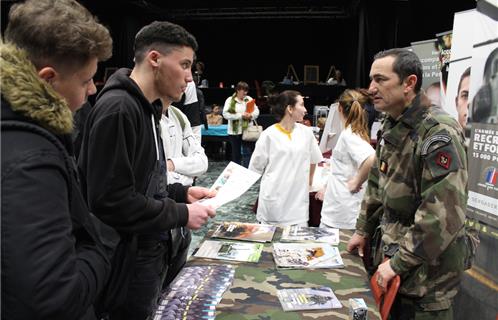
x,y
53,262
125,167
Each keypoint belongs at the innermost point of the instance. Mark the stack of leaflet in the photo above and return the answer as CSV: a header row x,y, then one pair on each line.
x,y
195,292
235,250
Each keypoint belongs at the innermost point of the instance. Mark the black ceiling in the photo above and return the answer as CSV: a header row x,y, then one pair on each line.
x,y
236,9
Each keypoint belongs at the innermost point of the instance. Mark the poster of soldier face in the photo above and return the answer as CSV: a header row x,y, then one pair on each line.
x,y
457,92
483,115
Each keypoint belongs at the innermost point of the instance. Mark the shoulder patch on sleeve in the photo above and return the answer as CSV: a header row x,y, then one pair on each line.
x,y
435,142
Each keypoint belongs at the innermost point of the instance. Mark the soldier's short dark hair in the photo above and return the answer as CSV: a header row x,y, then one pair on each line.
x,y
59,32
163,36
405,64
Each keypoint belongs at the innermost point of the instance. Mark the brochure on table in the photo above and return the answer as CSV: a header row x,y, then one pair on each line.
x,y
308,299
245,231
298,233
307,255
230,250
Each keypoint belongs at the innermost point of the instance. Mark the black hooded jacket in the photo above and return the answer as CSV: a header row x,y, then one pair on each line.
x,y
53,262
118,157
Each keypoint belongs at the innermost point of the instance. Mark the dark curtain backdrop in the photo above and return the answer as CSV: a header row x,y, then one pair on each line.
x,y
262,49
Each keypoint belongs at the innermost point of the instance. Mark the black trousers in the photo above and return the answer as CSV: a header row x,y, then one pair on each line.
x,y
157,263
241,150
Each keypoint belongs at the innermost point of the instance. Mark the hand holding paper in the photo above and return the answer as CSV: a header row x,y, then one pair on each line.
x,y
231,184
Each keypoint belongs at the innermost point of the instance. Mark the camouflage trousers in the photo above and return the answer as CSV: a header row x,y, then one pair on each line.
x,y
407,309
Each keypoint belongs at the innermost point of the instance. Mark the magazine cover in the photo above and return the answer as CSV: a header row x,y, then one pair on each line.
x,y
307,255
308,299
297,233
230,250
245,231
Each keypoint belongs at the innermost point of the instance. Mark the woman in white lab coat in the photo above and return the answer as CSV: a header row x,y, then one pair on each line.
x,y
286,154
351,160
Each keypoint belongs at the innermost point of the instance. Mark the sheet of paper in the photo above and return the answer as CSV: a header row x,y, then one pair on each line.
x,y
231,184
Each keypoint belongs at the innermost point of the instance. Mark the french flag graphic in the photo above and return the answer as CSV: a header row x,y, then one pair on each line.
x,y
492,176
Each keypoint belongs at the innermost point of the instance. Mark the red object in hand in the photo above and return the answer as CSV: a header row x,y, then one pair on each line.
x,y
250,106
384,299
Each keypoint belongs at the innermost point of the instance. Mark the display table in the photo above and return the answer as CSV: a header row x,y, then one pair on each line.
x,y
215,142
253,294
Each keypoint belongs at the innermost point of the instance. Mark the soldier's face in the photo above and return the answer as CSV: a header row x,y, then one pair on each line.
x,y
387,90
462,101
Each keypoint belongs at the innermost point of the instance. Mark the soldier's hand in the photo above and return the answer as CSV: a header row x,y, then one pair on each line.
x,y
198,215
197,193
356,242
386,273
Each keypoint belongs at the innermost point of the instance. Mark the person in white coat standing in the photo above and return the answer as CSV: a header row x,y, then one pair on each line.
x,y
185,157
286,155
351,160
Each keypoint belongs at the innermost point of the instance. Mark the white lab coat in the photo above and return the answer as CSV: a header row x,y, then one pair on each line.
x,y
181,147
340,207
285,166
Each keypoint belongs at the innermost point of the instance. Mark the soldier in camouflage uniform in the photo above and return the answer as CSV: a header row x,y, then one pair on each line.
x,y
416,194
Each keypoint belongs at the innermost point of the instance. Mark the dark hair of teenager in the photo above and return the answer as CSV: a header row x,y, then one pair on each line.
x,y
71,34
162,36
280,102
352,104
405,64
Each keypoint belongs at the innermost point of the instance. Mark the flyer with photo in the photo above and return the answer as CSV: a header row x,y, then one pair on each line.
x,y
231,184
230,250
307,255
245,231
308,299
298,233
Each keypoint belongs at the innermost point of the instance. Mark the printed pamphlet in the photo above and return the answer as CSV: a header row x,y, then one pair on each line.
x,y
230,250
307,255
308,299
245,231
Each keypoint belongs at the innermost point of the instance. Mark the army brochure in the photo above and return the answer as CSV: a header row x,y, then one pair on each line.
x,y
230,250
308,299
297,233
231,184
245,231
307,255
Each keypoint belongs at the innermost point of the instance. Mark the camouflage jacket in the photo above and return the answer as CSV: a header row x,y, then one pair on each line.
x,y
417,193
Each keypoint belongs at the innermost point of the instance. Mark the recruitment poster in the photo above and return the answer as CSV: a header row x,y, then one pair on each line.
x,y
483,149
457,91
429,57
443,45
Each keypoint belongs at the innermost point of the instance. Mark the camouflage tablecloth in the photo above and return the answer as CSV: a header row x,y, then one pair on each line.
x,y
253,294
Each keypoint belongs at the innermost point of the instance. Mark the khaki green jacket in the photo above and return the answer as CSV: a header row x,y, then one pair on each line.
x,y
417,193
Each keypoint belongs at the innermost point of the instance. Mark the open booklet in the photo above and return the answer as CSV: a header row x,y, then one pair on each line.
x,y
245,231
307,255
231,184
230,250
308,299
298,233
